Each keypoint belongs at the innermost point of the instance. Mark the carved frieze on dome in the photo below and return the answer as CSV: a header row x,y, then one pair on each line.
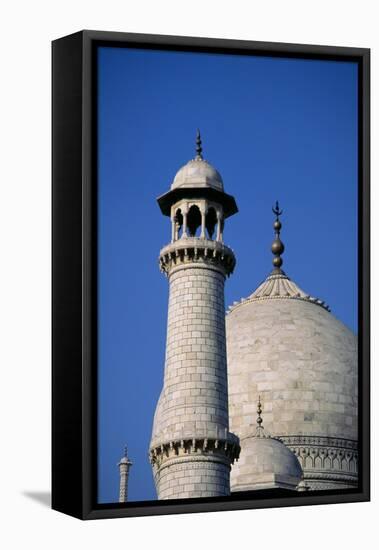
x,y
326,461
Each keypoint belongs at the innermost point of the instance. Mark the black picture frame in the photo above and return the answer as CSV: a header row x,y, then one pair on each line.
x,y
74,273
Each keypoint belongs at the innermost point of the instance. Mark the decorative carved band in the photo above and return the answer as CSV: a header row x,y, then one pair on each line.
x,y
325,459
327,477
228,448
193,250
326,486
322,441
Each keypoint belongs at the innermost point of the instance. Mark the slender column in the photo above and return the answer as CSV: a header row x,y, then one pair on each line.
x,y
173,229
184,212
218,236
202,234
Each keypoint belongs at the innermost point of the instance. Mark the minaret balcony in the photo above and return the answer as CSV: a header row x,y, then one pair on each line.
x,y
227,445
187,250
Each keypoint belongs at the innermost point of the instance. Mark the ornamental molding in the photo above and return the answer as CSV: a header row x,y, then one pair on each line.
x,y
325,458
327,486
322,475
321,441
195,449
188,251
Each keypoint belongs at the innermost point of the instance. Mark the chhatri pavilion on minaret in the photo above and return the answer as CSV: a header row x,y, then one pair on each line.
x,y
280,347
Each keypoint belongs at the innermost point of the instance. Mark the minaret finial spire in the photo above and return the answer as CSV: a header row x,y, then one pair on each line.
x,y
199,149
277,246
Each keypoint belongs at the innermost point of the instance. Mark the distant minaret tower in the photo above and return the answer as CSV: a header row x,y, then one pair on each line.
x,y
192,450
124,466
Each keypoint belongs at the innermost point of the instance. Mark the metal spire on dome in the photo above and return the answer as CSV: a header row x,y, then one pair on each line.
x,y
199,149
278,285
260,428
277,246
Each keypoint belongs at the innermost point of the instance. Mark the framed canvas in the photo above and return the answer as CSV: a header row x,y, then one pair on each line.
x,y
238,377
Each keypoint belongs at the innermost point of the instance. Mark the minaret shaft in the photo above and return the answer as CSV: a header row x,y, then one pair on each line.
x,y
195,362
124,474
191,432
124,466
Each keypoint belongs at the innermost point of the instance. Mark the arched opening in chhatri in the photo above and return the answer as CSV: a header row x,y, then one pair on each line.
x,y
210,221
193,220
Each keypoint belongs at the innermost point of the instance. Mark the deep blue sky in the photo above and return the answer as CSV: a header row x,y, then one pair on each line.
x,y
276,129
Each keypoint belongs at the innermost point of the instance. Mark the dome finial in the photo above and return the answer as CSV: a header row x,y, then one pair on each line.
x,y
260,428
277,246
199,149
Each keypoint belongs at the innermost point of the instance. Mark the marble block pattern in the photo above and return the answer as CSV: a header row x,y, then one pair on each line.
x,y
194,398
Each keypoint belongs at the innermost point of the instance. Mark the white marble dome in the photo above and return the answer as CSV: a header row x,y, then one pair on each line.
x,y
265,463
287,347
198,173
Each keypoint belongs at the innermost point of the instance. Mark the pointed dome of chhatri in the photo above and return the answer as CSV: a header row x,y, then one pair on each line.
x,y
198,172
265,463
287,347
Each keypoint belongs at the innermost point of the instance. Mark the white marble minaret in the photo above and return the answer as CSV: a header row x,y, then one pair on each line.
x,y
191,449
124,466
